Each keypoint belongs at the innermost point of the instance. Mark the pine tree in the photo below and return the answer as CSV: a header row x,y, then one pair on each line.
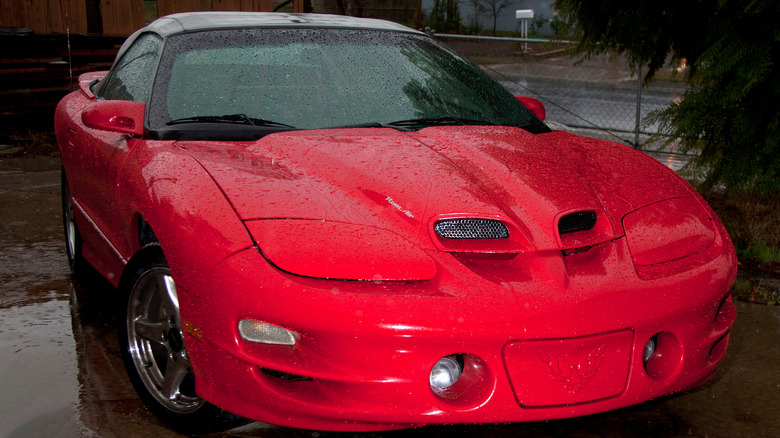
x,y
731,111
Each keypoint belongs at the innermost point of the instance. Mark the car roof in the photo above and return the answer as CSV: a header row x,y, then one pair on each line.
x,y
200,21
197,21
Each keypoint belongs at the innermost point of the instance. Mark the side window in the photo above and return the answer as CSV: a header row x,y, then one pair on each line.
x,y
132,77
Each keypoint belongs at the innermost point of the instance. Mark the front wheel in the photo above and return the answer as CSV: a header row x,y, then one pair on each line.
x,y
154,353
73,240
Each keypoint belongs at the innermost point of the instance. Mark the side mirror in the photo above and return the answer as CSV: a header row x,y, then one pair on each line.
x,y
534,105
115,115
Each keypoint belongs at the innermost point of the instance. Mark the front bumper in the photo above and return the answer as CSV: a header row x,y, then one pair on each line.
x,y
543,336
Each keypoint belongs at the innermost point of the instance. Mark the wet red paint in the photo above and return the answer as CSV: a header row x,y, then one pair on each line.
x,y
551,325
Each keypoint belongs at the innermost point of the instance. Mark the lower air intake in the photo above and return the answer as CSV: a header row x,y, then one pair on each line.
x,y
579,221
471,229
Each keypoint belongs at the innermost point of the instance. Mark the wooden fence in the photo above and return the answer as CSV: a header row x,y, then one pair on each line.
x,y
106,17
165,7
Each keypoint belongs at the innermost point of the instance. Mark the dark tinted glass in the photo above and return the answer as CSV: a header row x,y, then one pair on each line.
x,y
132,77
319,78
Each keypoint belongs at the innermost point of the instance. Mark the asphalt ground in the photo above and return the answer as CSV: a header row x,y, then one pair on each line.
x,y
61,374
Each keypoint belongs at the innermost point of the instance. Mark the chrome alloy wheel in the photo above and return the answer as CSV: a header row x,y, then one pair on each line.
x,y
70,225
73,241
156,344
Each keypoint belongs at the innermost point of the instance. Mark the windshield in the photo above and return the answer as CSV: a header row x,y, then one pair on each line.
x,y
322,78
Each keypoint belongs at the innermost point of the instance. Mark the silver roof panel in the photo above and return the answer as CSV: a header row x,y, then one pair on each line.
x,y
198,21
195,21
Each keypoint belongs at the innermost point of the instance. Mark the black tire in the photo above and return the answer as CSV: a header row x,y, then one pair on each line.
x,y
73,243
150,336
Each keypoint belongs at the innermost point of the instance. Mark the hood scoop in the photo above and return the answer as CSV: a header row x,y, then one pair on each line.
x,y
583,229
468,228
579,221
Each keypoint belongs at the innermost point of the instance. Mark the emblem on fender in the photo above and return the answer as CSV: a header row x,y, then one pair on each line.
x,y
574,375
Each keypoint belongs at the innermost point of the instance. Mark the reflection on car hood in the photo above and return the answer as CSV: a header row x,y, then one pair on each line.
x,y
402,181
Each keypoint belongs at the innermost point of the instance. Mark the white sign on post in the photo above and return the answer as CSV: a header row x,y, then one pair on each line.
x,y
525,15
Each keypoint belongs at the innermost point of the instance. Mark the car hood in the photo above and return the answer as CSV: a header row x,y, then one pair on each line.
x,y
406,181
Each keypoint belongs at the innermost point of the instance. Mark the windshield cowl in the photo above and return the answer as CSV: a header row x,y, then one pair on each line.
x,y
249,133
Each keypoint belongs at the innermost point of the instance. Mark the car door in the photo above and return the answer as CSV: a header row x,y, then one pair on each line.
x,y
101,154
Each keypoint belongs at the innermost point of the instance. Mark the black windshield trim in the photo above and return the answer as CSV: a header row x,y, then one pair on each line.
x,y
239,132
206,131
445,120
239,119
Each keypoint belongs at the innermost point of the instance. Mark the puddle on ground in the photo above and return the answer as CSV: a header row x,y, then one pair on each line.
x,y
39,368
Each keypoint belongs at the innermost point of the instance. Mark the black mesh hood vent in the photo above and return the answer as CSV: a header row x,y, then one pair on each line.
x,y
471,229
579,221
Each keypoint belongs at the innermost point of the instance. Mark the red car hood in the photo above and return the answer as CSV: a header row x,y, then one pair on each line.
x,y
405,181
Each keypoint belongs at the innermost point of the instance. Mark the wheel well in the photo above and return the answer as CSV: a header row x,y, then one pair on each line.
x,y
139,259
145,234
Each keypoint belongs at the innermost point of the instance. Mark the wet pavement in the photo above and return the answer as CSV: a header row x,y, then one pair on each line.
x,y
62,376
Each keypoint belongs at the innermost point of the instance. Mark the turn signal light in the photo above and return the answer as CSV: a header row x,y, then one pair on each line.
x,y
262,332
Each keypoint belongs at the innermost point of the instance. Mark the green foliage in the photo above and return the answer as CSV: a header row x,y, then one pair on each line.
x,y
731,112
537,23
753,223
754,291
558,26
445,16
760,252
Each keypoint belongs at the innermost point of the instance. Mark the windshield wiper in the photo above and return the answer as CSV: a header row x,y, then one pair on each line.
x,y
242,119
358,125
437,121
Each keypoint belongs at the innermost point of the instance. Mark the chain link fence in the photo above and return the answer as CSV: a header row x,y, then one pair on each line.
x,y
598,97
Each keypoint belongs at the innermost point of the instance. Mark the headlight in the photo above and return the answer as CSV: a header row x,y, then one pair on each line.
x,y
340,251
668,230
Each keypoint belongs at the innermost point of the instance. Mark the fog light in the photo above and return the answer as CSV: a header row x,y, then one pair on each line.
x,y
649,350
263,332
445,373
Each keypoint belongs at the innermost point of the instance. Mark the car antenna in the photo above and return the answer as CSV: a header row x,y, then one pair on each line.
x,y
70,62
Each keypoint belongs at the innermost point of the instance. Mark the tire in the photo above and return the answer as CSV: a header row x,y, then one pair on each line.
x,y
150,336
73,243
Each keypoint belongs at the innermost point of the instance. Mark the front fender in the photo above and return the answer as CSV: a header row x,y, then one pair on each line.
x,y
193,221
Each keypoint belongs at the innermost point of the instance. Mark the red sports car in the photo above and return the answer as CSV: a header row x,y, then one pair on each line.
x,y
335,223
